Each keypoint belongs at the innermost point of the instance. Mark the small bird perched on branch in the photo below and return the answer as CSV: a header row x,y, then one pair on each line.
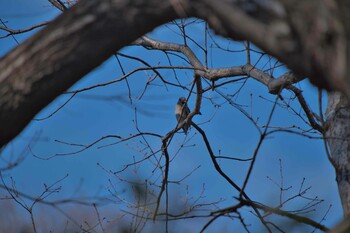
x,y
181,112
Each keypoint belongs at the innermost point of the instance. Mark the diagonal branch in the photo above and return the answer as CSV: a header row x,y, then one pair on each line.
x,y
51,61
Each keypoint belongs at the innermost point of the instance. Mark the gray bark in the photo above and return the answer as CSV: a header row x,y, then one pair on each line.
x,y
338,137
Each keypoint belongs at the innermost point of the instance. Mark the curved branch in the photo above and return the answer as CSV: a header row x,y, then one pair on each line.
x,y
51,61
30,73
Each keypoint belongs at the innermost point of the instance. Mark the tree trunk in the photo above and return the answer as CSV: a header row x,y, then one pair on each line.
x,y
338,138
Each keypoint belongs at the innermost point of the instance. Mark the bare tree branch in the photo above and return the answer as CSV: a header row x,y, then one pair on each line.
x,y
62,51
30,73
58,4
13,32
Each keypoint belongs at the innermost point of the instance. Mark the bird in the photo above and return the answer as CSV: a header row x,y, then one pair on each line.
x,y
181,112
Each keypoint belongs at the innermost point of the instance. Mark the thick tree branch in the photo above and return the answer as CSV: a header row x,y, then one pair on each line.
x,y
47,64
281,82
39,70
312,45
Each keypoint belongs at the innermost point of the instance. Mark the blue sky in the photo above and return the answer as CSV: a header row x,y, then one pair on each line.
x,y
107,111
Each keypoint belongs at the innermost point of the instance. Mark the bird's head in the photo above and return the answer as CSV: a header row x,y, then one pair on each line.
x,y
181,101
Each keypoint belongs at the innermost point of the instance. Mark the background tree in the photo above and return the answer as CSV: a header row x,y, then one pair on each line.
x,y
30,74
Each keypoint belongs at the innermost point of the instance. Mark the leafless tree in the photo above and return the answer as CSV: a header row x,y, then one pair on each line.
x,y
313,46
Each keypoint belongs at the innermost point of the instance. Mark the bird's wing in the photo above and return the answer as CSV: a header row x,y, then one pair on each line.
x,y
186,111
178,117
